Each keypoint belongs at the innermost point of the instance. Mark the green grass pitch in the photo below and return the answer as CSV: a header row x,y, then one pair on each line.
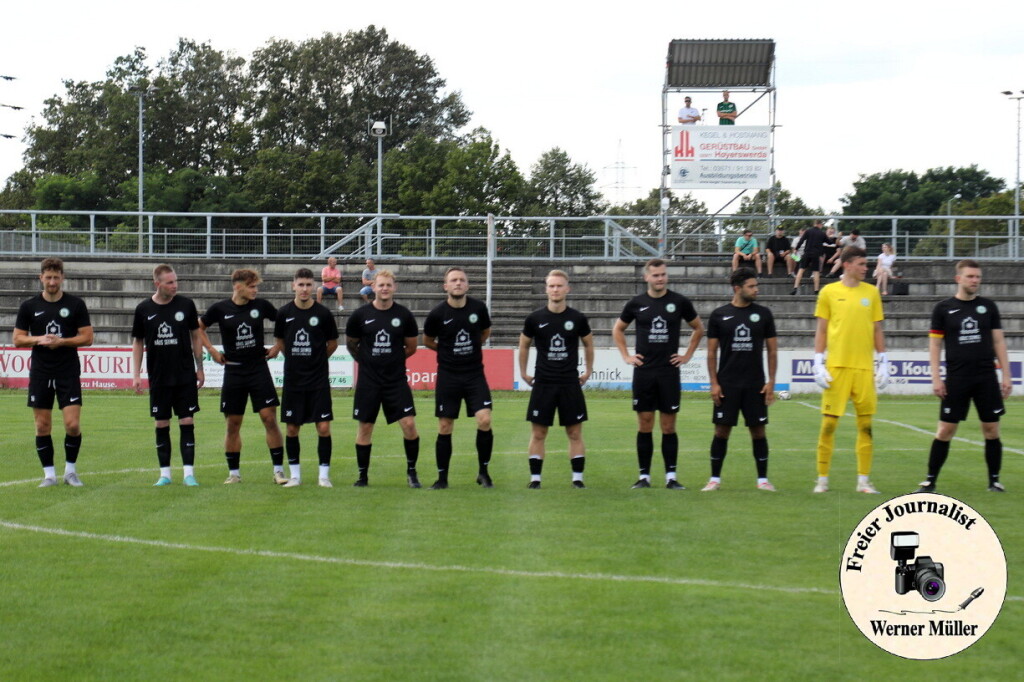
x,y
120,580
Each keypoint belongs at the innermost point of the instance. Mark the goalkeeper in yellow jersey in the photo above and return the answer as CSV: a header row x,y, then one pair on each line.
x,y
849,327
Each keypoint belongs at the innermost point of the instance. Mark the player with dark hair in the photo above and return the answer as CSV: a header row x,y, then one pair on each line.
x,y
659,314
557,331
380,336
55,324
307,333
246,373
457,330
742,329
971,329
166,326
849,325
812,241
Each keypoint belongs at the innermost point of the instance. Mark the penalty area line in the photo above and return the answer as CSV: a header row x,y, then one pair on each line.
x,y
414,566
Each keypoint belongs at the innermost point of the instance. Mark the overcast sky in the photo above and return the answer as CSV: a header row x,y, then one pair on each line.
x,y
862,87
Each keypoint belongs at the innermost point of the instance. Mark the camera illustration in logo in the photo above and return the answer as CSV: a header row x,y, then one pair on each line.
x,y
923,575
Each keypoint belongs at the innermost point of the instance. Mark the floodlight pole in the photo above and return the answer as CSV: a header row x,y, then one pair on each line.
x,y
141,93
1015,232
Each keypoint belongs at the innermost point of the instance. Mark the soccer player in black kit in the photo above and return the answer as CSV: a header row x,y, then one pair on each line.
x,y
55,324
969,325
742,330
457,330
380,336
659,314
557,331
308,335
246,374
166,326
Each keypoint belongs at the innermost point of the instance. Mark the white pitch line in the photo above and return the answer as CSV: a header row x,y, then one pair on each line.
x,y
270,554
920,430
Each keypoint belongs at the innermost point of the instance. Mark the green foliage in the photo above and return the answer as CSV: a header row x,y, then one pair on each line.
x,y
559,187
785,204
969,236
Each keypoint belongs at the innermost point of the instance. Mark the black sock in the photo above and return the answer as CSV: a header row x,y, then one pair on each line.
x,y
993,458
484,447
670,451
277,457
719,448
72,444
163,446
761,456
293,448
443,454
412,453
233,459
324,445
644,451
44,448
536,464
187,434
578,463
363,459
936,458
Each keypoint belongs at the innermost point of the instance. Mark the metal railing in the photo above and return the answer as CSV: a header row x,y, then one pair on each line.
x,y
114,235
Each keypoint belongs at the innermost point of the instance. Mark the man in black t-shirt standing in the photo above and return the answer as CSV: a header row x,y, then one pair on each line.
x,y
166,326
457,330
659,314
557,331
812,241
246,373
307,333
970,327
380,336
742,329
55,324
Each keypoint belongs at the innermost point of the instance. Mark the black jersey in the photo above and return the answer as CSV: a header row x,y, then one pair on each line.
x,y
557,338
305,333
241,329
64,318
459,333
778,244
658,324
813,241
741,333
382,335
966,327
166,330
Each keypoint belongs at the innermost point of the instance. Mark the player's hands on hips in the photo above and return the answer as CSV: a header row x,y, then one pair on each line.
x,y
882,372
821,375
676,359
635,360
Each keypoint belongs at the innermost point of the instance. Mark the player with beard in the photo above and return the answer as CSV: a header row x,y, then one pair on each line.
x,y
742,330
457,330
166,327
557,331
55,324
971,329
659,314
246,373
380,336
306,332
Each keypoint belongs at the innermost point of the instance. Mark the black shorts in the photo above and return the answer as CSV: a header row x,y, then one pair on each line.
x,y
306,406
746,399
395,398
566,399
255,385
453,388
983,390
41,392
656,389
810,263
183,400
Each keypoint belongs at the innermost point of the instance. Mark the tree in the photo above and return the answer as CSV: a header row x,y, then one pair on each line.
x,y
785,205
971,236
558,187
650,205
318,94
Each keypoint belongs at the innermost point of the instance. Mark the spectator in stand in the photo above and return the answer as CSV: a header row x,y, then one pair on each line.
x,y
330,282
852,239
778,248
831,246
746,251
688,115
883,271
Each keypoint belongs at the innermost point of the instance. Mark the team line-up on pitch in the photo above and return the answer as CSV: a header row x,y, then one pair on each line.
x,y
742,351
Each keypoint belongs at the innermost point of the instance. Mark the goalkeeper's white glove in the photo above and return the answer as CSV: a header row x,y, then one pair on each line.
x,y
882,372
821,375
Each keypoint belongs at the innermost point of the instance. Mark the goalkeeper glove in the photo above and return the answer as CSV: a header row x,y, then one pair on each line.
x,y
821,375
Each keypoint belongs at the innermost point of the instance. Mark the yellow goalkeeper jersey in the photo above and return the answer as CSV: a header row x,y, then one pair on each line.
x,y
851,313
